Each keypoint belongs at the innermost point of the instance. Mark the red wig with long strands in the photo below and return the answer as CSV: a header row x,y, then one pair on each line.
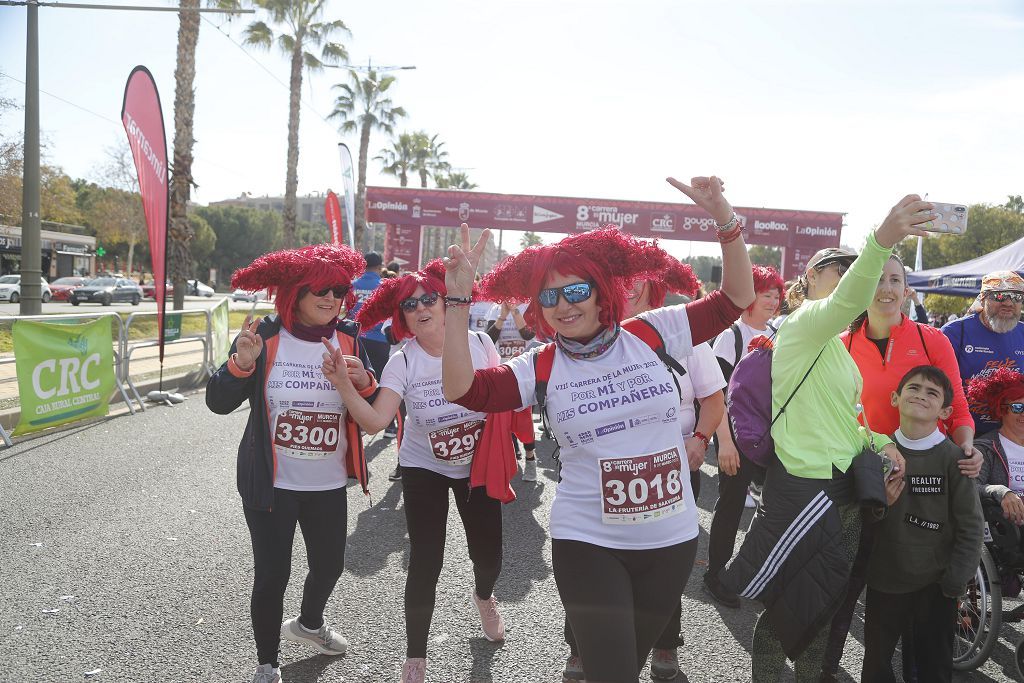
x,y
608,258
987,394
767,278
293,272
678,279
384,302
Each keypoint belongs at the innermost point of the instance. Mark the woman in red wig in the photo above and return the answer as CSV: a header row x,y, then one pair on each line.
x,y
701,407
623,522
439,442
999,396
295,460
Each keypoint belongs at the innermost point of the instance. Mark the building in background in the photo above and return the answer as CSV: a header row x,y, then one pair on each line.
x,y
66,250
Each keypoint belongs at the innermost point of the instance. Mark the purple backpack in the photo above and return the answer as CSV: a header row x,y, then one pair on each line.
x,y
750,402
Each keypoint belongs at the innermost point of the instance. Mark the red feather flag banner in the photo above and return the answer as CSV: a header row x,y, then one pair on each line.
x,y
332,210
143,121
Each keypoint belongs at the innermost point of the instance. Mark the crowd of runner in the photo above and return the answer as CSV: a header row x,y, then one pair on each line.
x,y
877,439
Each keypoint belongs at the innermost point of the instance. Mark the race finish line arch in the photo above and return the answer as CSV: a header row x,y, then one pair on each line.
x,y
406,211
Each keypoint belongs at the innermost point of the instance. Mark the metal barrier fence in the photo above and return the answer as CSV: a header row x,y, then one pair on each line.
x,y
124,347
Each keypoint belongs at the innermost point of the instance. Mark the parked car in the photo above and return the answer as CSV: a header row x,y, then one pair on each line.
x,y
10,289
245,295
61,287
149,290
107,290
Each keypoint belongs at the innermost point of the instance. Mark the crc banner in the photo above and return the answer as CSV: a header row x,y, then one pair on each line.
x,y
800,233
402,244
144,123
332,210
65,372
219,331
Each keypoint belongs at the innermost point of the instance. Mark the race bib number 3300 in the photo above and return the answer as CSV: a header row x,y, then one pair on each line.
x,y
308,434
456,445
642,488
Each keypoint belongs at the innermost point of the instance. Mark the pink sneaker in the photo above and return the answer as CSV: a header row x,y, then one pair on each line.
x,y
414,670
490,618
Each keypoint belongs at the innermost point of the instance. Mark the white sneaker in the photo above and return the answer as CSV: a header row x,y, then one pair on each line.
x,y
530,470
266,673
414,670
326,641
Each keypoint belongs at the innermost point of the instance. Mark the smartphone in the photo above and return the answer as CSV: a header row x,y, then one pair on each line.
x,y
951,219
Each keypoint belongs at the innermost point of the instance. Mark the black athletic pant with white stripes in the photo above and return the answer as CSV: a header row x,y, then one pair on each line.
x,y
323,518
425,494
618,601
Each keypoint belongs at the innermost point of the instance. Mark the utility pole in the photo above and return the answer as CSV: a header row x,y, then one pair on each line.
x,y
31,241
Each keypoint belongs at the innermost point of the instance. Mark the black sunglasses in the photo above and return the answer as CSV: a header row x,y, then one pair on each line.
x,y
1015,408
843,267
409,305
339,291
1000,297
573,294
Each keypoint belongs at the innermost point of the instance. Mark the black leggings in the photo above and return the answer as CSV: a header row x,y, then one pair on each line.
x,y
426,514
618,601
323,518
670,637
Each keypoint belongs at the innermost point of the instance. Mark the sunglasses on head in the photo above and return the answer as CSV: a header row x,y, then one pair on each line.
x,y
843,267
1000,297
339,291
1015,408
409,305
573,294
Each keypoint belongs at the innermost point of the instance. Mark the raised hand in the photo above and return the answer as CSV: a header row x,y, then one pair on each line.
x,y
707,194
903,220
249,345
334,366
461,263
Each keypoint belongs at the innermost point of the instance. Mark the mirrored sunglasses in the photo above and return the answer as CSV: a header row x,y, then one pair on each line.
x,y
409,305
573,294
339,291
843,267
1000,297
1015,408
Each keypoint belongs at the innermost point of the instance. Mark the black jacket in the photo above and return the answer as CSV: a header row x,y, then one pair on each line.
x,y
225,392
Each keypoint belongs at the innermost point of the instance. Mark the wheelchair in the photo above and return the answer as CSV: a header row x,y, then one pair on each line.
x,y
980,609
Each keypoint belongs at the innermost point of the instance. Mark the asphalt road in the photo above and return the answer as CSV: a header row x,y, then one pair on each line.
x,y
131,529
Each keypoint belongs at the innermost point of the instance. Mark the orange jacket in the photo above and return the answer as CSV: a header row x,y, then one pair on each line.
x,y
910,344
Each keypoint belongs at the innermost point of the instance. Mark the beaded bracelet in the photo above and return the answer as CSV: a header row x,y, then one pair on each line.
x,y
730,235
703,439
458,300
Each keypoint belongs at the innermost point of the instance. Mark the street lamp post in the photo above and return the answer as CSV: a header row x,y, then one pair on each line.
x,y
31,241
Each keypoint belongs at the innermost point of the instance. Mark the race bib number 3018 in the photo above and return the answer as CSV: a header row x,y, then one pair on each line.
x,y
642,488
308,434
456,445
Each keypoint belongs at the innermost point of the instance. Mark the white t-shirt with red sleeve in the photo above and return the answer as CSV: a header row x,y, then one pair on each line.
x,y
439,436
625,481
703,378
307,417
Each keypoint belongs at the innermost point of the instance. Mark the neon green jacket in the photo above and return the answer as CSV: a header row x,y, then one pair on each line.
x,y
819,428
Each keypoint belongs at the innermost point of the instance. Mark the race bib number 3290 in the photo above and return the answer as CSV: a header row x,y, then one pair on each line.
x,y
456,445
642,488
308,434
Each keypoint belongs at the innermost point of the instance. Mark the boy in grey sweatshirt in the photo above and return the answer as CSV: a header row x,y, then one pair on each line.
x,y
929,543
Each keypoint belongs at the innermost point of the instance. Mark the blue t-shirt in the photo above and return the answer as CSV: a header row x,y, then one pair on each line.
x,y
363,287
979,352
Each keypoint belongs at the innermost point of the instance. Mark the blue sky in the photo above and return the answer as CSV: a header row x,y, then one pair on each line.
x,y
839,106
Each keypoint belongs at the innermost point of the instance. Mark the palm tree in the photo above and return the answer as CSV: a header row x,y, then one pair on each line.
x,y
455,180
397,160
364,105
430,160
301,30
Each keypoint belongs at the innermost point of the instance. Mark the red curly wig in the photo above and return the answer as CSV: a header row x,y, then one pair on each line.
x,y
988,393
767,278
678,279
608,258
293,272
385,300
